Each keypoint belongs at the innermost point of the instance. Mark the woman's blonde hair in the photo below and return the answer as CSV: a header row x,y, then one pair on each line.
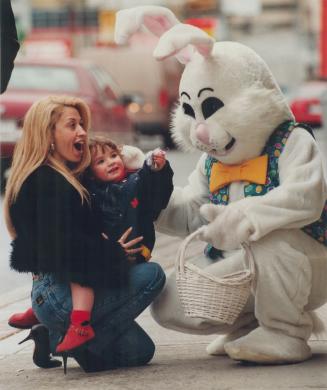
x,y
34,147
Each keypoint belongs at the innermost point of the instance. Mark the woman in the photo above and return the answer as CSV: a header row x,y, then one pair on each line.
x,y
55,237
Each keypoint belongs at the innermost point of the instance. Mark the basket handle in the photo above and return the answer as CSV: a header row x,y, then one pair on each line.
x,y
180,260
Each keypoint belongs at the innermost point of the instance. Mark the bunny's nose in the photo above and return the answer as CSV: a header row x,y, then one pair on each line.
x,y
202,134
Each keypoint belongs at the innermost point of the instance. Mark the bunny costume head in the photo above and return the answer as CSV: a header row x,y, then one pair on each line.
x,y
225,87
260,180
220,95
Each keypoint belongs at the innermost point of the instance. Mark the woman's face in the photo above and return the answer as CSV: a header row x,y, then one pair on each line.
x,y
69,137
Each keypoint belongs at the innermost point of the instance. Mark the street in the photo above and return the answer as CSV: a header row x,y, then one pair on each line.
x,y
291,37
9,280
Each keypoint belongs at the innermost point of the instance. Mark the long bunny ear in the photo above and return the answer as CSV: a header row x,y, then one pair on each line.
x,y
181,40
156,19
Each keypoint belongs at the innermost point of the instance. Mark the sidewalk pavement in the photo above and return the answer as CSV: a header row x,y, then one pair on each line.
x,y
180,361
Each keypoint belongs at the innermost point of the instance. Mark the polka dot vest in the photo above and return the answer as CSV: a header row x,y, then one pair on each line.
x,y
274,148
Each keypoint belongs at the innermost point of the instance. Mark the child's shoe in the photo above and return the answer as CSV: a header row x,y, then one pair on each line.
x,y
23,320
76,336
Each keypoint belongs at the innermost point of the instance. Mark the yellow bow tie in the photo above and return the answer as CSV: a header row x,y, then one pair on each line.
x,y
254,171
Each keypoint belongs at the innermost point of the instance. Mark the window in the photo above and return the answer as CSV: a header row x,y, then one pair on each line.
x,y
48,78
64,18
104,80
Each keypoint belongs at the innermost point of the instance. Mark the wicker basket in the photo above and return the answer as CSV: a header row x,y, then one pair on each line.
x,y
209,297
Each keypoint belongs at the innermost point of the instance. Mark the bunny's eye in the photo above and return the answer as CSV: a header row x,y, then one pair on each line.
x,y
188,110
210,106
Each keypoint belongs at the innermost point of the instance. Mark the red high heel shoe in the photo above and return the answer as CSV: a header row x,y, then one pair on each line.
x,y
23,320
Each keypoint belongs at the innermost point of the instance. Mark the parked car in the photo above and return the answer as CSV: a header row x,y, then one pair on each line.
x,y
152,84
305,102
32,80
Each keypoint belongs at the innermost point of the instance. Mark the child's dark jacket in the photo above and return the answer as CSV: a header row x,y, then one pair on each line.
x,y
136,201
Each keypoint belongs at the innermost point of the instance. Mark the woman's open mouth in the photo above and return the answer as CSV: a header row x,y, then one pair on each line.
x,y
79,146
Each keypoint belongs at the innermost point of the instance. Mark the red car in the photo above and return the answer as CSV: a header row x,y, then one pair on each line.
x,y
306,102
33,80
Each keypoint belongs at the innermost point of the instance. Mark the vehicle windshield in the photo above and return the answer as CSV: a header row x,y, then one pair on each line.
x,y
50,78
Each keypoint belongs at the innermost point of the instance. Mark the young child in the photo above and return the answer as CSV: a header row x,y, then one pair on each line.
x,y
126,203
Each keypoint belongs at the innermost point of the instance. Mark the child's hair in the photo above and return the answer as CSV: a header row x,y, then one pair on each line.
x,y
101,143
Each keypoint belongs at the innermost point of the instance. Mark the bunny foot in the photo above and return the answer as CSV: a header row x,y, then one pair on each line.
x,y
265,346
217,346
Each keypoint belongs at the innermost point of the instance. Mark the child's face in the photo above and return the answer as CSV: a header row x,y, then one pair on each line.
x,y
107,166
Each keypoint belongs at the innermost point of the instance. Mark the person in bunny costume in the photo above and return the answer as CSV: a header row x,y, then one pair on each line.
x,y
259,181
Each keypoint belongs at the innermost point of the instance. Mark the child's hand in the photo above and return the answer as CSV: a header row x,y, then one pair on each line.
x,y
159,159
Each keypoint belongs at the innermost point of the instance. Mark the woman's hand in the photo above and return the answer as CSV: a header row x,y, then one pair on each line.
x,y
127,246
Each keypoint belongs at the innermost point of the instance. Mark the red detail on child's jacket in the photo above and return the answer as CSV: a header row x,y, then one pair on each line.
x,y
134,203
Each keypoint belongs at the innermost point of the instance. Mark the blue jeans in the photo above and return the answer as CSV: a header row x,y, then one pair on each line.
x,y
119,341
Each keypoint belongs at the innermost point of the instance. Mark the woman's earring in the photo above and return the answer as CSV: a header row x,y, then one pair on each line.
x,y
52,147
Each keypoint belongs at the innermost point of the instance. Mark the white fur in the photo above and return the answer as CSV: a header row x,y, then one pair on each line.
x,y
133,157
233,222
177,41
155,19
251,95
229,105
